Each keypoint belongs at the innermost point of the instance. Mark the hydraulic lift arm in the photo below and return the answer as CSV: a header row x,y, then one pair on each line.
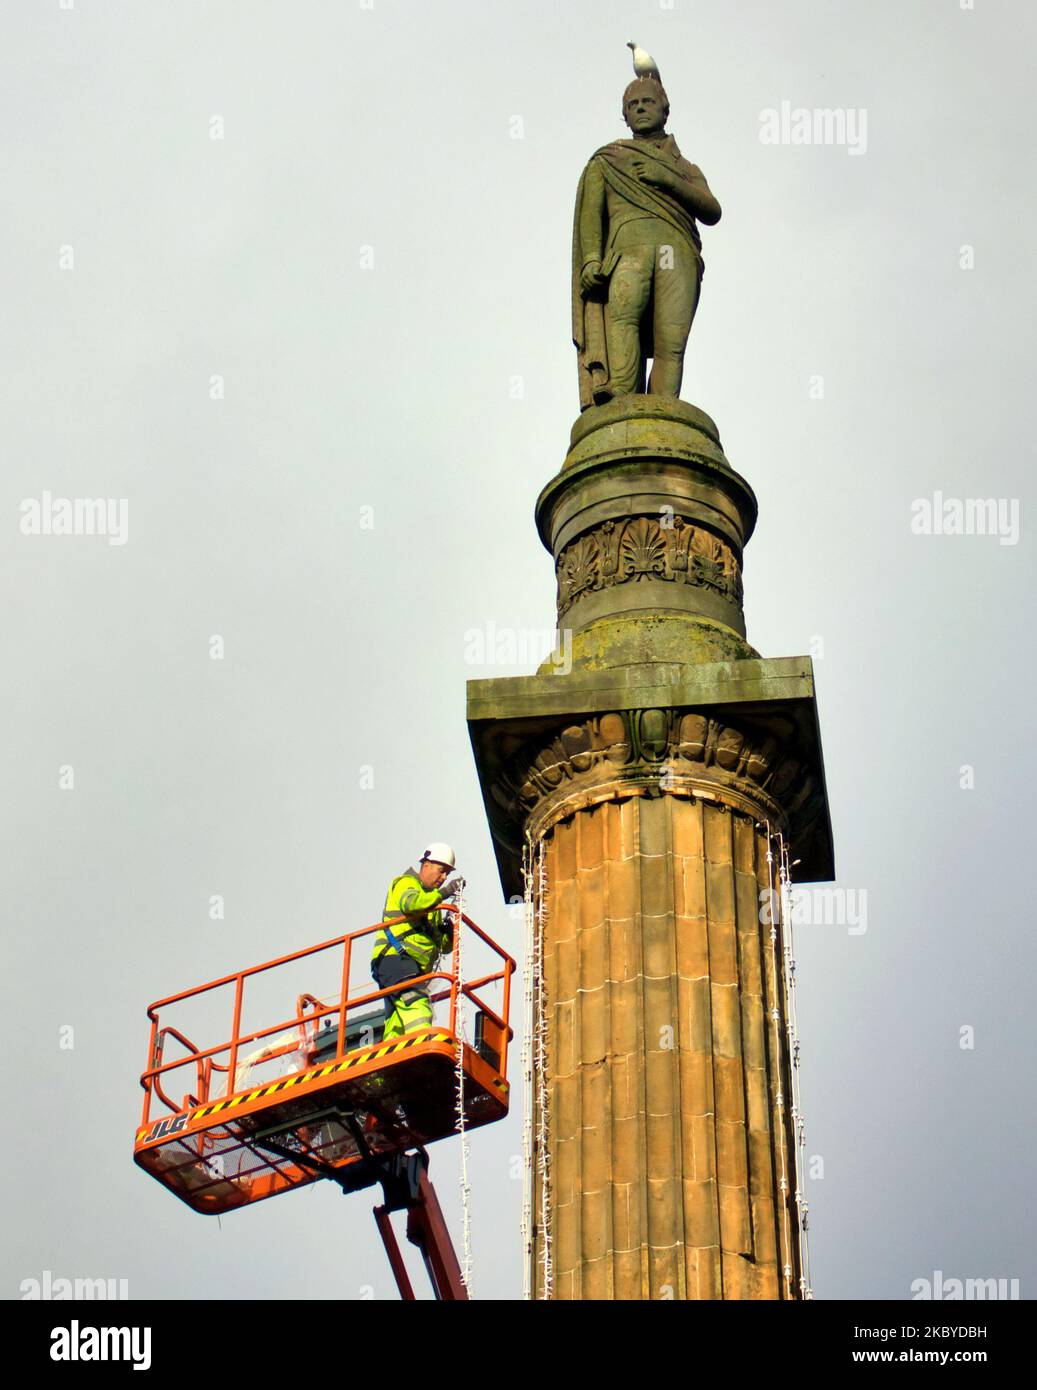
x,y
413,1192
406,1187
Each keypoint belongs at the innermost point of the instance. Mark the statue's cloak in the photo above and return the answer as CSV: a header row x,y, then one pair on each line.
x,y
615,164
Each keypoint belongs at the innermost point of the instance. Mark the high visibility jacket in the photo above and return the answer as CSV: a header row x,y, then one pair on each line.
x,y
421,931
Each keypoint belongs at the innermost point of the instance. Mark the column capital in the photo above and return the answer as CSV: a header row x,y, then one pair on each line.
x,y
740,733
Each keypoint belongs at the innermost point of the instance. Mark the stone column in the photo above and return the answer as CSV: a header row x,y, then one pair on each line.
x,y
667,1142
647,761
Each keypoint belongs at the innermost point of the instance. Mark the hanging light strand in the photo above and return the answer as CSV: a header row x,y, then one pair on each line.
x,y
543,1164
779,1056
466,1214
792,1028
528,1025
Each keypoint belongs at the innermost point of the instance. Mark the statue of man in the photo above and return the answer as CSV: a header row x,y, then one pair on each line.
x,y
637,255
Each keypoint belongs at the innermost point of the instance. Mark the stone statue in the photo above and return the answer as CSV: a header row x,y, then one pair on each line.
x,y
637,254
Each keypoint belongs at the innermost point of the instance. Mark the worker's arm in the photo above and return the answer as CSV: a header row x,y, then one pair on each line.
x,y
418,899
443,933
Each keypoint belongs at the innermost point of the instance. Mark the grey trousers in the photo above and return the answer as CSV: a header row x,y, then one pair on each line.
x,y
657,272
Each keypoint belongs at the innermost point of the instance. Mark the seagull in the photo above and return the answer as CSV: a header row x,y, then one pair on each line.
x,y
644,63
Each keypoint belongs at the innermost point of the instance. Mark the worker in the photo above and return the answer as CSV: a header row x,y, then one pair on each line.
x,y
416,934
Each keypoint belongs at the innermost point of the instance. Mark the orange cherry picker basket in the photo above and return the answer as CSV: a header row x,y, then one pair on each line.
x,y
320,1093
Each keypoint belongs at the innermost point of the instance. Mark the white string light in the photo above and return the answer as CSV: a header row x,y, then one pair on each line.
x,y
540,1073
791,1056
779,1099
799,1129
466,1216
528,1025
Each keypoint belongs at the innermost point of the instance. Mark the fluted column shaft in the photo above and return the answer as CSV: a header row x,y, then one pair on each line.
x,y
667,1143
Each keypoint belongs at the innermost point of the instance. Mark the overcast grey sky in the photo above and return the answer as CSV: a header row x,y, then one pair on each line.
x,y
375,260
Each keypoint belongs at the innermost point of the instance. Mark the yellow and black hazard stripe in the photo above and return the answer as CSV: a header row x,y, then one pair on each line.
x,y
354,1059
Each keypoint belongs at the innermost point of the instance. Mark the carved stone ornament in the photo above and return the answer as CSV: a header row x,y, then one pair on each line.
x,y
653,751
644,547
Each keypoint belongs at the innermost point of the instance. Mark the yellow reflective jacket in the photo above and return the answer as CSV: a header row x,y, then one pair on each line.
x,y
421,931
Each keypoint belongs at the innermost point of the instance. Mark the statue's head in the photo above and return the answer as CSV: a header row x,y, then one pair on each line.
x,y
645,106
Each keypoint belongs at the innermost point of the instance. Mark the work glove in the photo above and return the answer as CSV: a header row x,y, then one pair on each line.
x,y
452,887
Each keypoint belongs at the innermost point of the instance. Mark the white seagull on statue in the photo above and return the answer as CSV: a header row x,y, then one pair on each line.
x,y
644,63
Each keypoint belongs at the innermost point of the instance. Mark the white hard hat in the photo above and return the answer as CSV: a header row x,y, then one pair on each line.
x,y
440,854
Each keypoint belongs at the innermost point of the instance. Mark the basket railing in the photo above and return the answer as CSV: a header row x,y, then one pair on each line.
x,y
309,1013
